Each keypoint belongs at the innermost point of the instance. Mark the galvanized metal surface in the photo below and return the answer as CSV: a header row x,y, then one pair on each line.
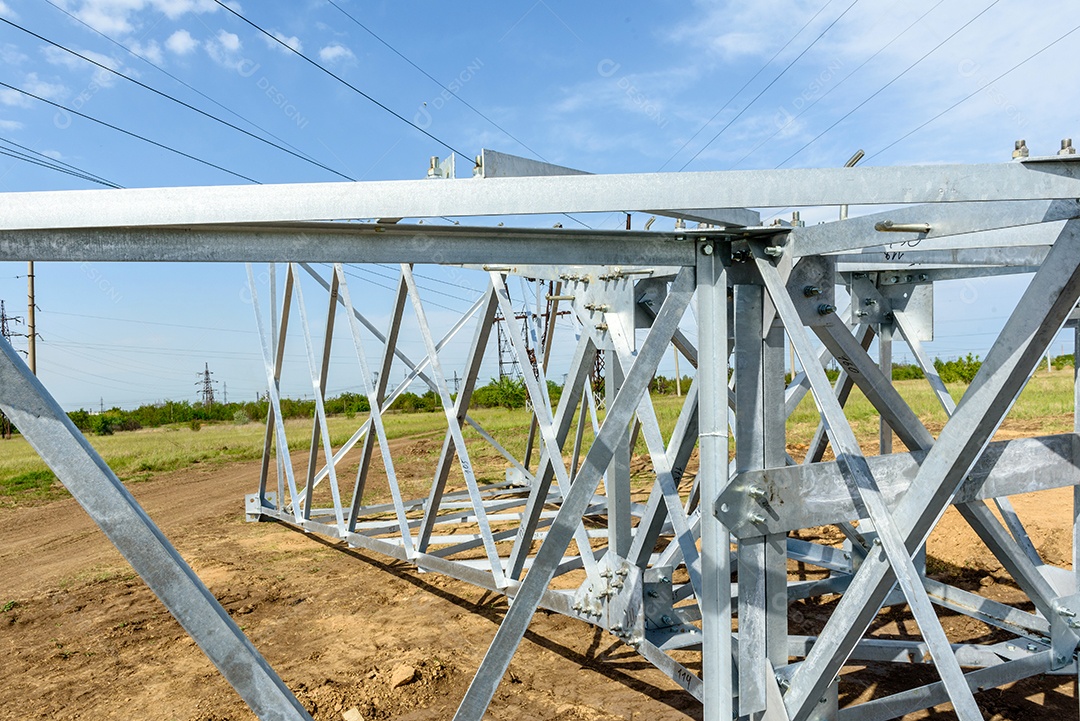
x,y
660,575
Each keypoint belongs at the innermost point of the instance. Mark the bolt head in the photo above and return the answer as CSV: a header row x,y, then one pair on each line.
x,y
707,249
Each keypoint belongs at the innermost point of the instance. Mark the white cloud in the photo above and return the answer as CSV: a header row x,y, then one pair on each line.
x,y
181,42
116,18
10,55
10,125
37,86
336,53
56,56
7,11
54,154
224,49
150,50
293,42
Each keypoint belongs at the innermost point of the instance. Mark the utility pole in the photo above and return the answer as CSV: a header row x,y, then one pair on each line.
x,y
225,393
6,333
206,386
31,323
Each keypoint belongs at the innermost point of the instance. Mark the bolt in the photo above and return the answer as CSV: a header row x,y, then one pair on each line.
x,y
861,314
654,594
923,276
877,541
740,256
707,249
896,279
811,290
782,682
666,620
617,627
869,301
1032,647
756,492
624,572
826,309
665,579
755,517
1021,150
616,584
1067,612
577,606
774,251
1067,147
601,327
823,700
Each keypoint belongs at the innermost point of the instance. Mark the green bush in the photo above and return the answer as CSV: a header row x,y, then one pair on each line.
x,y
960,370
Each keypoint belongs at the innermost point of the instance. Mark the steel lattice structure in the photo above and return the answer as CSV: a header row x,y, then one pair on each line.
x,y
669,575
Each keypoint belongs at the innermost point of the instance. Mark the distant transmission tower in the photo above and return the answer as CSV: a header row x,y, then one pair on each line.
x,y
206,385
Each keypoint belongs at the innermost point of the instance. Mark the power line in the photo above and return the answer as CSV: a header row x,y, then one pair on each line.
x,y
341,80
127,132
55,161
26,159
771,83
911,132
187,85
428,75
886,85
148,322
828,92
176,100
747,83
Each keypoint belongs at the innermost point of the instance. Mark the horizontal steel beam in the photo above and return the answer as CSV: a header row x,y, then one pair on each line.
x,y
351,243
815,495
541,195
945,223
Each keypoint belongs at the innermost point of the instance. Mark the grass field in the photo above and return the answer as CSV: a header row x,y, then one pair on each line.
x,y
1046,406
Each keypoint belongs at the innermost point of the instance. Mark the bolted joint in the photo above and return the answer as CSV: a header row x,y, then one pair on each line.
x,y
826,309
811,290
707,249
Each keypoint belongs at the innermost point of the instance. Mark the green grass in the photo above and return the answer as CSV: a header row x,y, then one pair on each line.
x,y
1045,406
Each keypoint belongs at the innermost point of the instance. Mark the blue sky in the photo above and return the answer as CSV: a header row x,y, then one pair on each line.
x,y
608,87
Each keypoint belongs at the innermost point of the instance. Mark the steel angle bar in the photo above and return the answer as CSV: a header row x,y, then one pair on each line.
x,y
390,350
573,392
482,432
857,473
931,695
532,589
375,418
536,385
664,464
1008,513
149,207
907,260
97,489
878,389
319,420
278,347
949,222
464,463
845,382
446,456
318,386
677,454
715,599
813,495
352,243
1045,305
903,324
275,399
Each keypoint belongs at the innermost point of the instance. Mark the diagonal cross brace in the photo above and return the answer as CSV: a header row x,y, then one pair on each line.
x,y
1043,308
97,489
513,627
856,470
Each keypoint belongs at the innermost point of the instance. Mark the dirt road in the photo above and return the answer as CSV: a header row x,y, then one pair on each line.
x,y
82,638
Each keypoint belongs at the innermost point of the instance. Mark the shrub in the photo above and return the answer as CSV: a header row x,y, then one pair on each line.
x,y
195,424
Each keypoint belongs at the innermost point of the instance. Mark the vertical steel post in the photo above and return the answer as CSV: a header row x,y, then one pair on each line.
x,y
713,451
885,341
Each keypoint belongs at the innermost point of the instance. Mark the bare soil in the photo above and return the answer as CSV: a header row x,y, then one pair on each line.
x,y
81,637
